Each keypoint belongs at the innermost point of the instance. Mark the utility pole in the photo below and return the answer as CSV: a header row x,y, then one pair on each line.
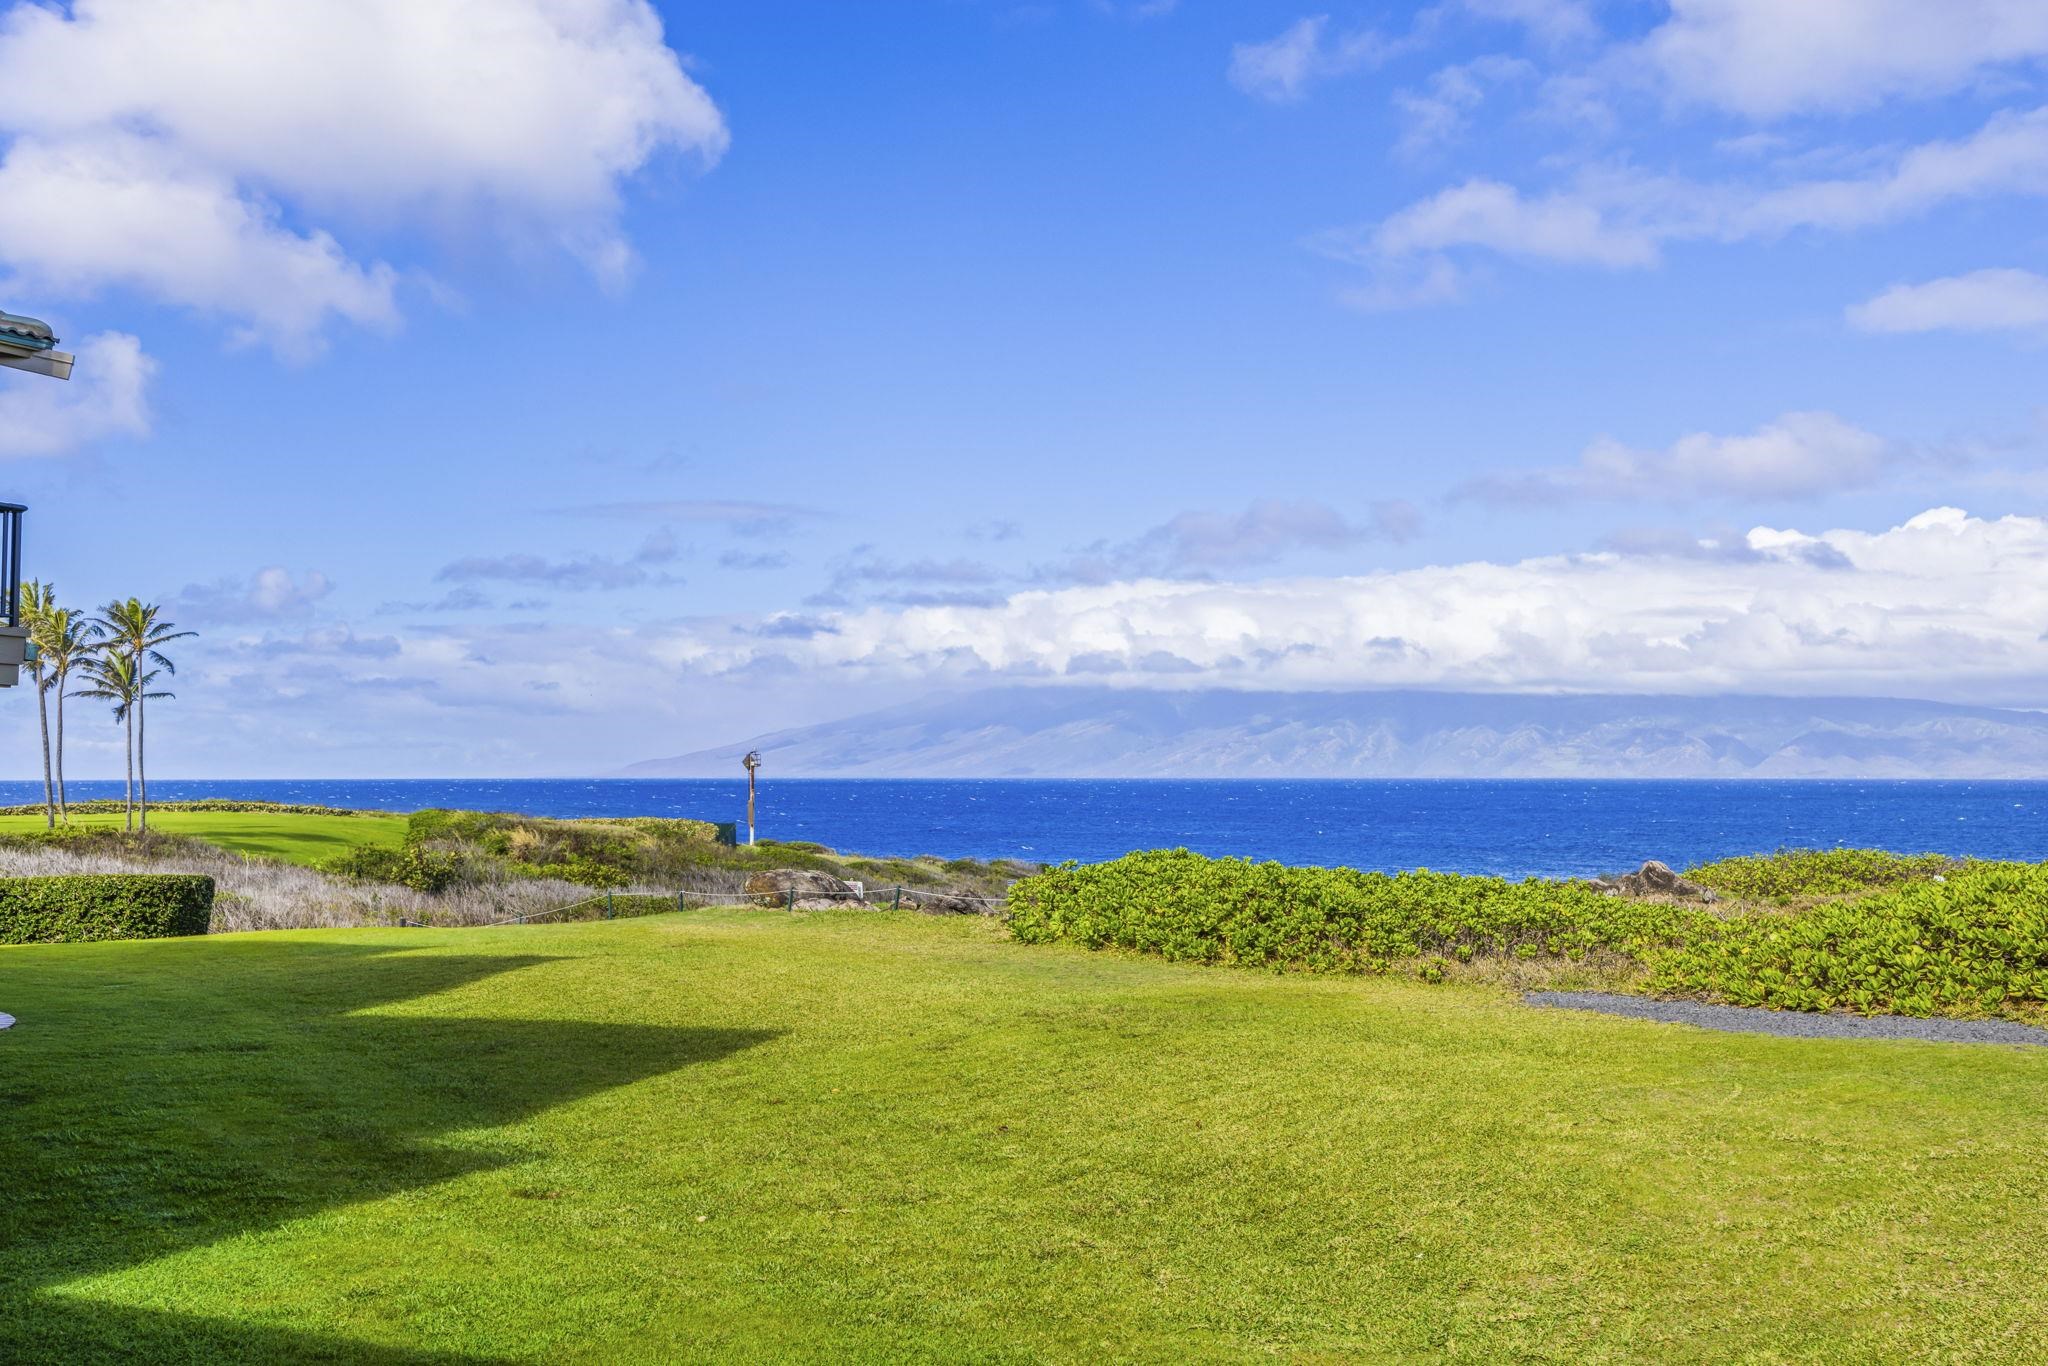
x,y
752,762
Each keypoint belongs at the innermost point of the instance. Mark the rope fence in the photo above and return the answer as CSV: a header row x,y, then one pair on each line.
x,y
894,897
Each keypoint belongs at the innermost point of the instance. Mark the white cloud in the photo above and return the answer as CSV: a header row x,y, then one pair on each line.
x,y
1437,115
1945,605
270,593
1767,58
1799,455
1982,301
1199,543
107,396
115,211
1567,227
582,573
1622,219
181,149
1282,68
1551,21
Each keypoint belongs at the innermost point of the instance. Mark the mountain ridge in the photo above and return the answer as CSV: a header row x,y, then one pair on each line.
x,y
1096,732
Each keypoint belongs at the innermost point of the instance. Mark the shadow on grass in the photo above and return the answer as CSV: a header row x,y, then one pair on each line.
x,y
168,1098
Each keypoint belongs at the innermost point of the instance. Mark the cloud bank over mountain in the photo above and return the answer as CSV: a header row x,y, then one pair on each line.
x,y
1944,605
1113,733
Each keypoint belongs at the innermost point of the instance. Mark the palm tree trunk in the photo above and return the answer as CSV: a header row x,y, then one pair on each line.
x,y
63,807
49,784
141,767
128,792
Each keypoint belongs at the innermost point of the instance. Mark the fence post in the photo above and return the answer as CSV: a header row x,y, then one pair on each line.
x,y
897,905
792,898
679,901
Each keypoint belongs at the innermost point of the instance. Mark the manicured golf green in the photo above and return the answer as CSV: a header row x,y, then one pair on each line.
x,y
755,1135
295,837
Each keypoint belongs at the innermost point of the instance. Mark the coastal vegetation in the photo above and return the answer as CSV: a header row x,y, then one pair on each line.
x,y
853,1134
1844,930
1832,930
282,866
1793,875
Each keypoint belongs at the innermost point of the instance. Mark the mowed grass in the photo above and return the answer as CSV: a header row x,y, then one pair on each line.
x,y
864,1135
295,837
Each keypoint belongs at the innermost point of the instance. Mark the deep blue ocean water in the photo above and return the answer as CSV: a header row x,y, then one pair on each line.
x,y
1512,828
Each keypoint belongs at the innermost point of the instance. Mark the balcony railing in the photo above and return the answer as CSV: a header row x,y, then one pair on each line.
x,y
10,562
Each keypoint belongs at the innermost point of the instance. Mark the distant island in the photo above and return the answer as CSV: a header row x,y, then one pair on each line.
x,y
1097,732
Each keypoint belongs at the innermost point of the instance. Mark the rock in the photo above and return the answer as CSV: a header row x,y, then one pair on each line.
x,y
1654,879
942,903
813,890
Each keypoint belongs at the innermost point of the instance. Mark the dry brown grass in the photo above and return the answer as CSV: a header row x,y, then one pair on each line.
x,y
261,894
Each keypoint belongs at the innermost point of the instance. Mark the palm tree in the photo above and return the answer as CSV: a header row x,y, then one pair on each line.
x,y
112,677
134,632
38,601
67,642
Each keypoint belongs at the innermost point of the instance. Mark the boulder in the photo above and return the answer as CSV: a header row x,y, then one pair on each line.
x,y
1654,879
813,890
943,903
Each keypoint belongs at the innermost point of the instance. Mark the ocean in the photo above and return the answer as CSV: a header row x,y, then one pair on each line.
x,y
1516,829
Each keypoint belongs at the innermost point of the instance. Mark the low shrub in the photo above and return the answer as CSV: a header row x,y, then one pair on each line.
x,y
1973,944
95,906
423,870
1793,873
106,839
101,806
582,871
1943,938
1187,907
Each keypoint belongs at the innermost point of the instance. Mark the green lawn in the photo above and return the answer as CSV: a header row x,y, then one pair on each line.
x,y
293,836
762,1136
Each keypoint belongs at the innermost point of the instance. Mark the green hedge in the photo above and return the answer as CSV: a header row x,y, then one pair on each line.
x,y
1973,944
1792,873
1944,938
66,910
1228,910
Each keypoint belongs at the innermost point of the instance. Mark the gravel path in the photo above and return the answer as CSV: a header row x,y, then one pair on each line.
x,y
1792,1023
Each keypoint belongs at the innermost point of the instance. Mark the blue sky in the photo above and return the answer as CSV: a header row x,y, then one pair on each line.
x,y
641,378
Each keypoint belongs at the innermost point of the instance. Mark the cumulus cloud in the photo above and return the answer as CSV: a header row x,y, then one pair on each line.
x,y
1768,58
118,211
182,149
1283,68
1623,219
1800,455
1944,605
107,396
1981,301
